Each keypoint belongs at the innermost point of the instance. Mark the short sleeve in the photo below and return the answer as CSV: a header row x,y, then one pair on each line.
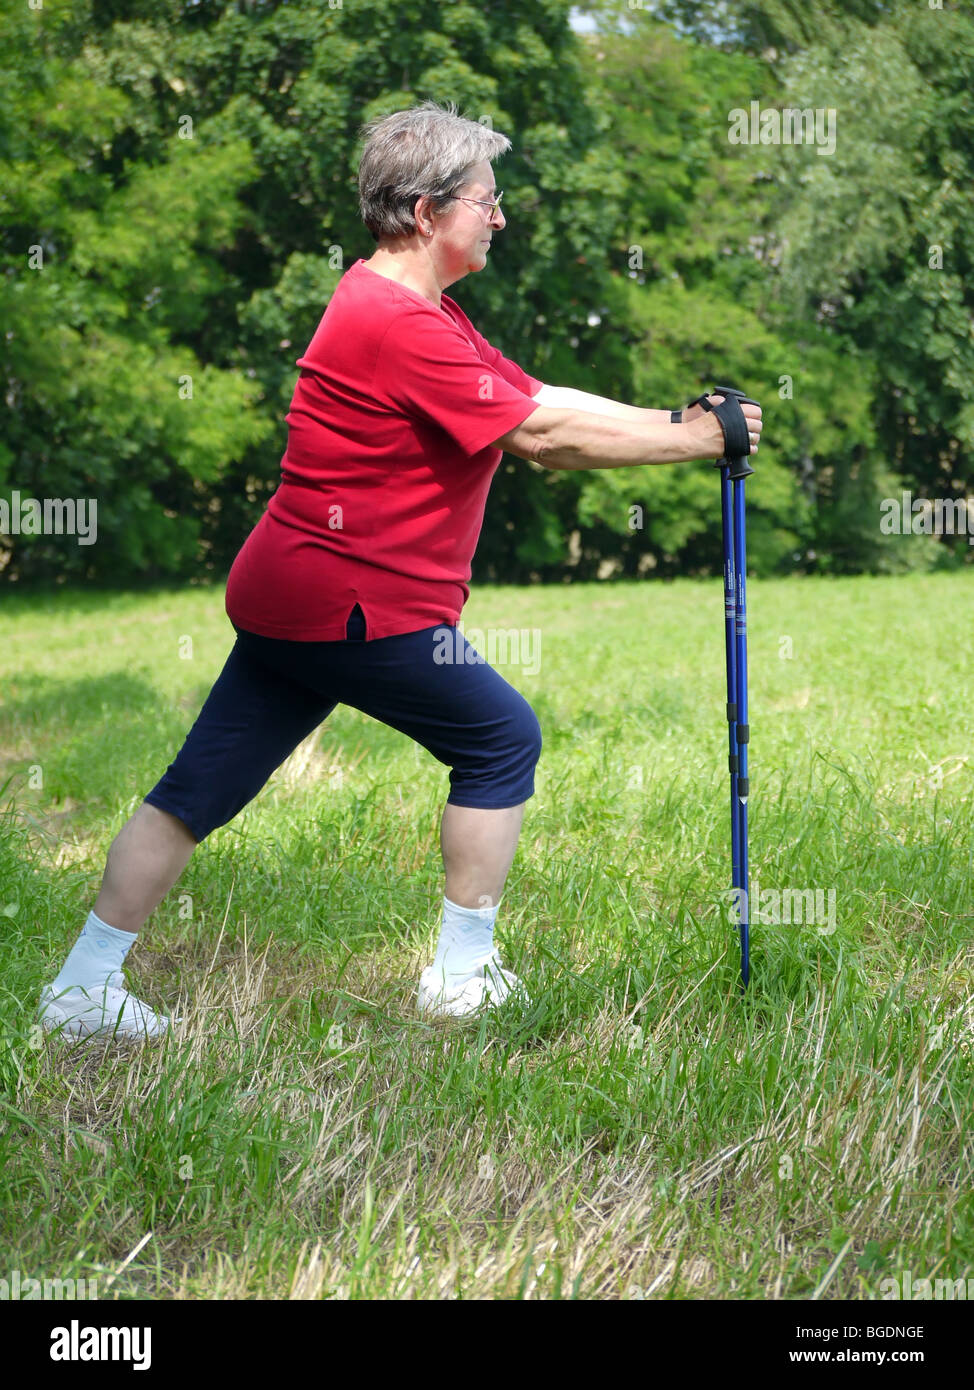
x,y
509,370
428,367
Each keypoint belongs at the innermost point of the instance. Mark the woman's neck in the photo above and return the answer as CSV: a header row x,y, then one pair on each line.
x,y
402,268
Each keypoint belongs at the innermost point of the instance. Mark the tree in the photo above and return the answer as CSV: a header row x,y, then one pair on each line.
x,y
105,282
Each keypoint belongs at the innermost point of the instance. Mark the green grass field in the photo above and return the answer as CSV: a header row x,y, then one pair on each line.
x,y
639,1130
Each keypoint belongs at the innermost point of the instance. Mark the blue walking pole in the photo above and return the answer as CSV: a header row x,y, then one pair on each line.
x,y
730,646
735,468
743,730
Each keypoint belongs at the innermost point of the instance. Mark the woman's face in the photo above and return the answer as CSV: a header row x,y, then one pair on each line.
x,y
461,240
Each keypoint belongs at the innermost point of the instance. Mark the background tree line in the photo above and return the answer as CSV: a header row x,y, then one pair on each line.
x,y
178,201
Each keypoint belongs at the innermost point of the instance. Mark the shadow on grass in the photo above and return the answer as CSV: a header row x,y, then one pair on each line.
x,y
40,700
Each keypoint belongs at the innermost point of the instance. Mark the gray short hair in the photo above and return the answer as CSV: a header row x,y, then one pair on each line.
x,y
424,152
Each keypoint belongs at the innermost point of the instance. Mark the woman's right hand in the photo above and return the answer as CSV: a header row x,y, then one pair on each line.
x,y
707,429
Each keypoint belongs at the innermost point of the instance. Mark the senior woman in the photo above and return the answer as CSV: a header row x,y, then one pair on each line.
x,y
360,565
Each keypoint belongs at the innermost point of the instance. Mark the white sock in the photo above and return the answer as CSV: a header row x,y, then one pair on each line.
x,y
466,939
98,951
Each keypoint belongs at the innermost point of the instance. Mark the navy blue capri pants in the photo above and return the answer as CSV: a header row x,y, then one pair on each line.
x,y
271,694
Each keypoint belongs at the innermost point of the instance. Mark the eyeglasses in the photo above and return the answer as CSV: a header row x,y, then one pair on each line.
x,y
493,206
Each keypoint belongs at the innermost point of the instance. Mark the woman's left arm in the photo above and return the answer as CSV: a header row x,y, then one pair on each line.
x,y
567,398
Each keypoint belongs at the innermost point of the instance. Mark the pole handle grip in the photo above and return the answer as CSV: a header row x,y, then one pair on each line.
x,y
737,441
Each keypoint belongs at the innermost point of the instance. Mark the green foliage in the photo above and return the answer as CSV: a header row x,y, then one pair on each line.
x,y
179,202
108,281
879,240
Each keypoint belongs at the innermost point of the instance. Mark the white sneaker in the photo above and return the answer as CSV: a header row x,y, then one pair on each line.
x,y
109,1012
489,985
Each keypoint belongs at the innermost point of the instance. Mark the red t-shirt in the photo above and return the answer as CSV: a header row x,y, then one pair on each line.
x,y
387,469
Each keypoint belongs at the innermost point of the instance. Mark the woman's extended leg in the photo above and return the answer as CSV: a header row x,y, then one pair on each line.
x,y
252,719
145,859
